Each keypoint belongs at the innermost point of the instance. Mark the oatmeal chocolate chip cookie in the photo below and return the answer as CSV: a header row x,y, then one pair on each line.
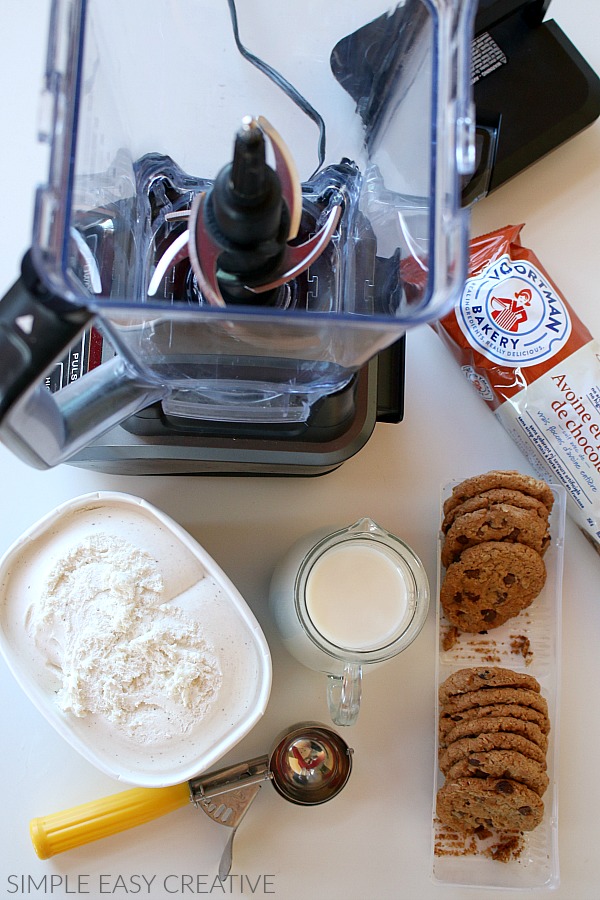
x,y
499,696
470,803
514,710
491,583
495,724
501,764
499,522
476,678
496,495
493,731
511,480
499,740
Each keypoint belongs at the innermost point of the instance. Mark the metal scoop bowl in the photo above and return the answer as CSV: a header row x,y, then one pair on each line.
x,y
308,765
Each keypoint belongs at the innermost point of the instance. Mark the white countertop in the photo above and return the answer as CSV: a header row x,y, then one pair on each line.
x,y
373,841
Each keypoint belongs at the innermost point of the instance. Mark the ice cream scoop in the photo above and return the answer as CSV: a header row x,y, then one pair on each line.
x,y
308,765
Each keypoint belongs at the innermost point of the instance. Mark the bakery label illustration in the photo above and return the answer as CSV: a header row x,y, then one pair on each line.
x,y
511,314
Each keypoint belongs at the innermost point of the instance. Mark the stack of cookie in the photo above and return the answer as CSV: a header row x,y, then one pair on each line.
x,y
496,532
493,737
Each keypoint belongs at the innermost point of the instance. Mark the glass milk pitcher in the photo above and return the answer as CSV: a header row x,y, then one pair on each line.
x,y
347,600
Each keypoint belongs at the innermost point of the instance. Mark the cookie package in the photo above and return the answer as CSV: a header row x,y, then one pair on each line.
x,y
535,364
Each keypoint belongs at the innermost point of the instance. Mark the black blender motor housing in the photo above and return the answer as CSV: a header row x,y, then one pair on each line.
x,y
532,89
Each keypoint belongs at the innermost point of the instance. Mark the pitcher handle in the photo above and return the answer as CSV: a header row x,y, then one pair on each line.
x,y
35,327
343,694
44,428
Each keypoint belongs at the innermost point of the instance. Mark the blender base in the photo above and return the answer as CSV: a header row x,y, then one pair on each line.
x,y
340,428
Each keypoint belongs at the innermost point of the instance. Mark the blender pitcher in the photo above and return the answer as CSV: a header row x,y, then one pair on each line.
x,y
245,203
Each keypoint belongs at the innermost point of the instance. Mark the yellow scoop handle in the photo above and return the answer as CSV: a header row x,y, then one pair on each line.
x,y
91,821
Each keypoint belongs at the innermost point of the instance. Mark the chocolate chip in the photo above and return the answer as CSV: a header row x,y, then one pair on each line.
x,y
509,579
505,787
488,615
525,810
472,573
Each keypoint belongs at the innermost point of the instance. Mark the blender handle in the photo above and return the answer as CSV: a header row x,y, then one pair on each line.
x,y
98,819
45,428
35,326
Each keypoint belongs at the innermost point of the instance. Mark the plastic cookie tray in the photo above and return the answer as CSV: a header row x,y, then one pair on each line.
x,y
529,642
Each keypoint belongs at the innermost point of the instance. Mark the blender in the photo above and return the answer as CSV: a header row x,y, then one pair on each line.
x,y
248,205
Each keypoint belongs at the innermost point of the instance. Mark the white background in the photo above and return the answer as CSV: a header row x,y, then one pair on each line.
x,y
373,841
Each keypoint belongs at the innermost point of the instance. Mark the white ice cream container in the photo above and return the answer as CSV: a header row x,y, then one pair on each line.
x,y
166,737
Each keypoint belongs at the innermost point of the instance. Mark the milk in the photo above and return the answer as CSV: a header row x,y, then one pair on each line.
x,y
356,596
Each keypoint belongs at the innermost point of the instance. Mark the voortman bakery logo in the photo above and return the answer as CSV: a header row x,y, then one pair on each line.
x,y
512,315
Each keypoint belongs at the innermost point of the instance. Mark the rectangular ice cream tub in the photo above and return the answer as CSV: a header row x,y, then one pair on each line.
x,y
130,640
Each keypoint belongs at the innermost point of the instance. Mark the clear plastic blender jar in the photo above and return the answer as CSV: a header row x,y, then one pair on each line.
x,y
364,108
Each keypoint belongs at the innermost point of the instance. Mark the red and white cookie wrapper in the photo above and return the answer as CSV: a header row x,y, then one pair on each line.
x,y
535,364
